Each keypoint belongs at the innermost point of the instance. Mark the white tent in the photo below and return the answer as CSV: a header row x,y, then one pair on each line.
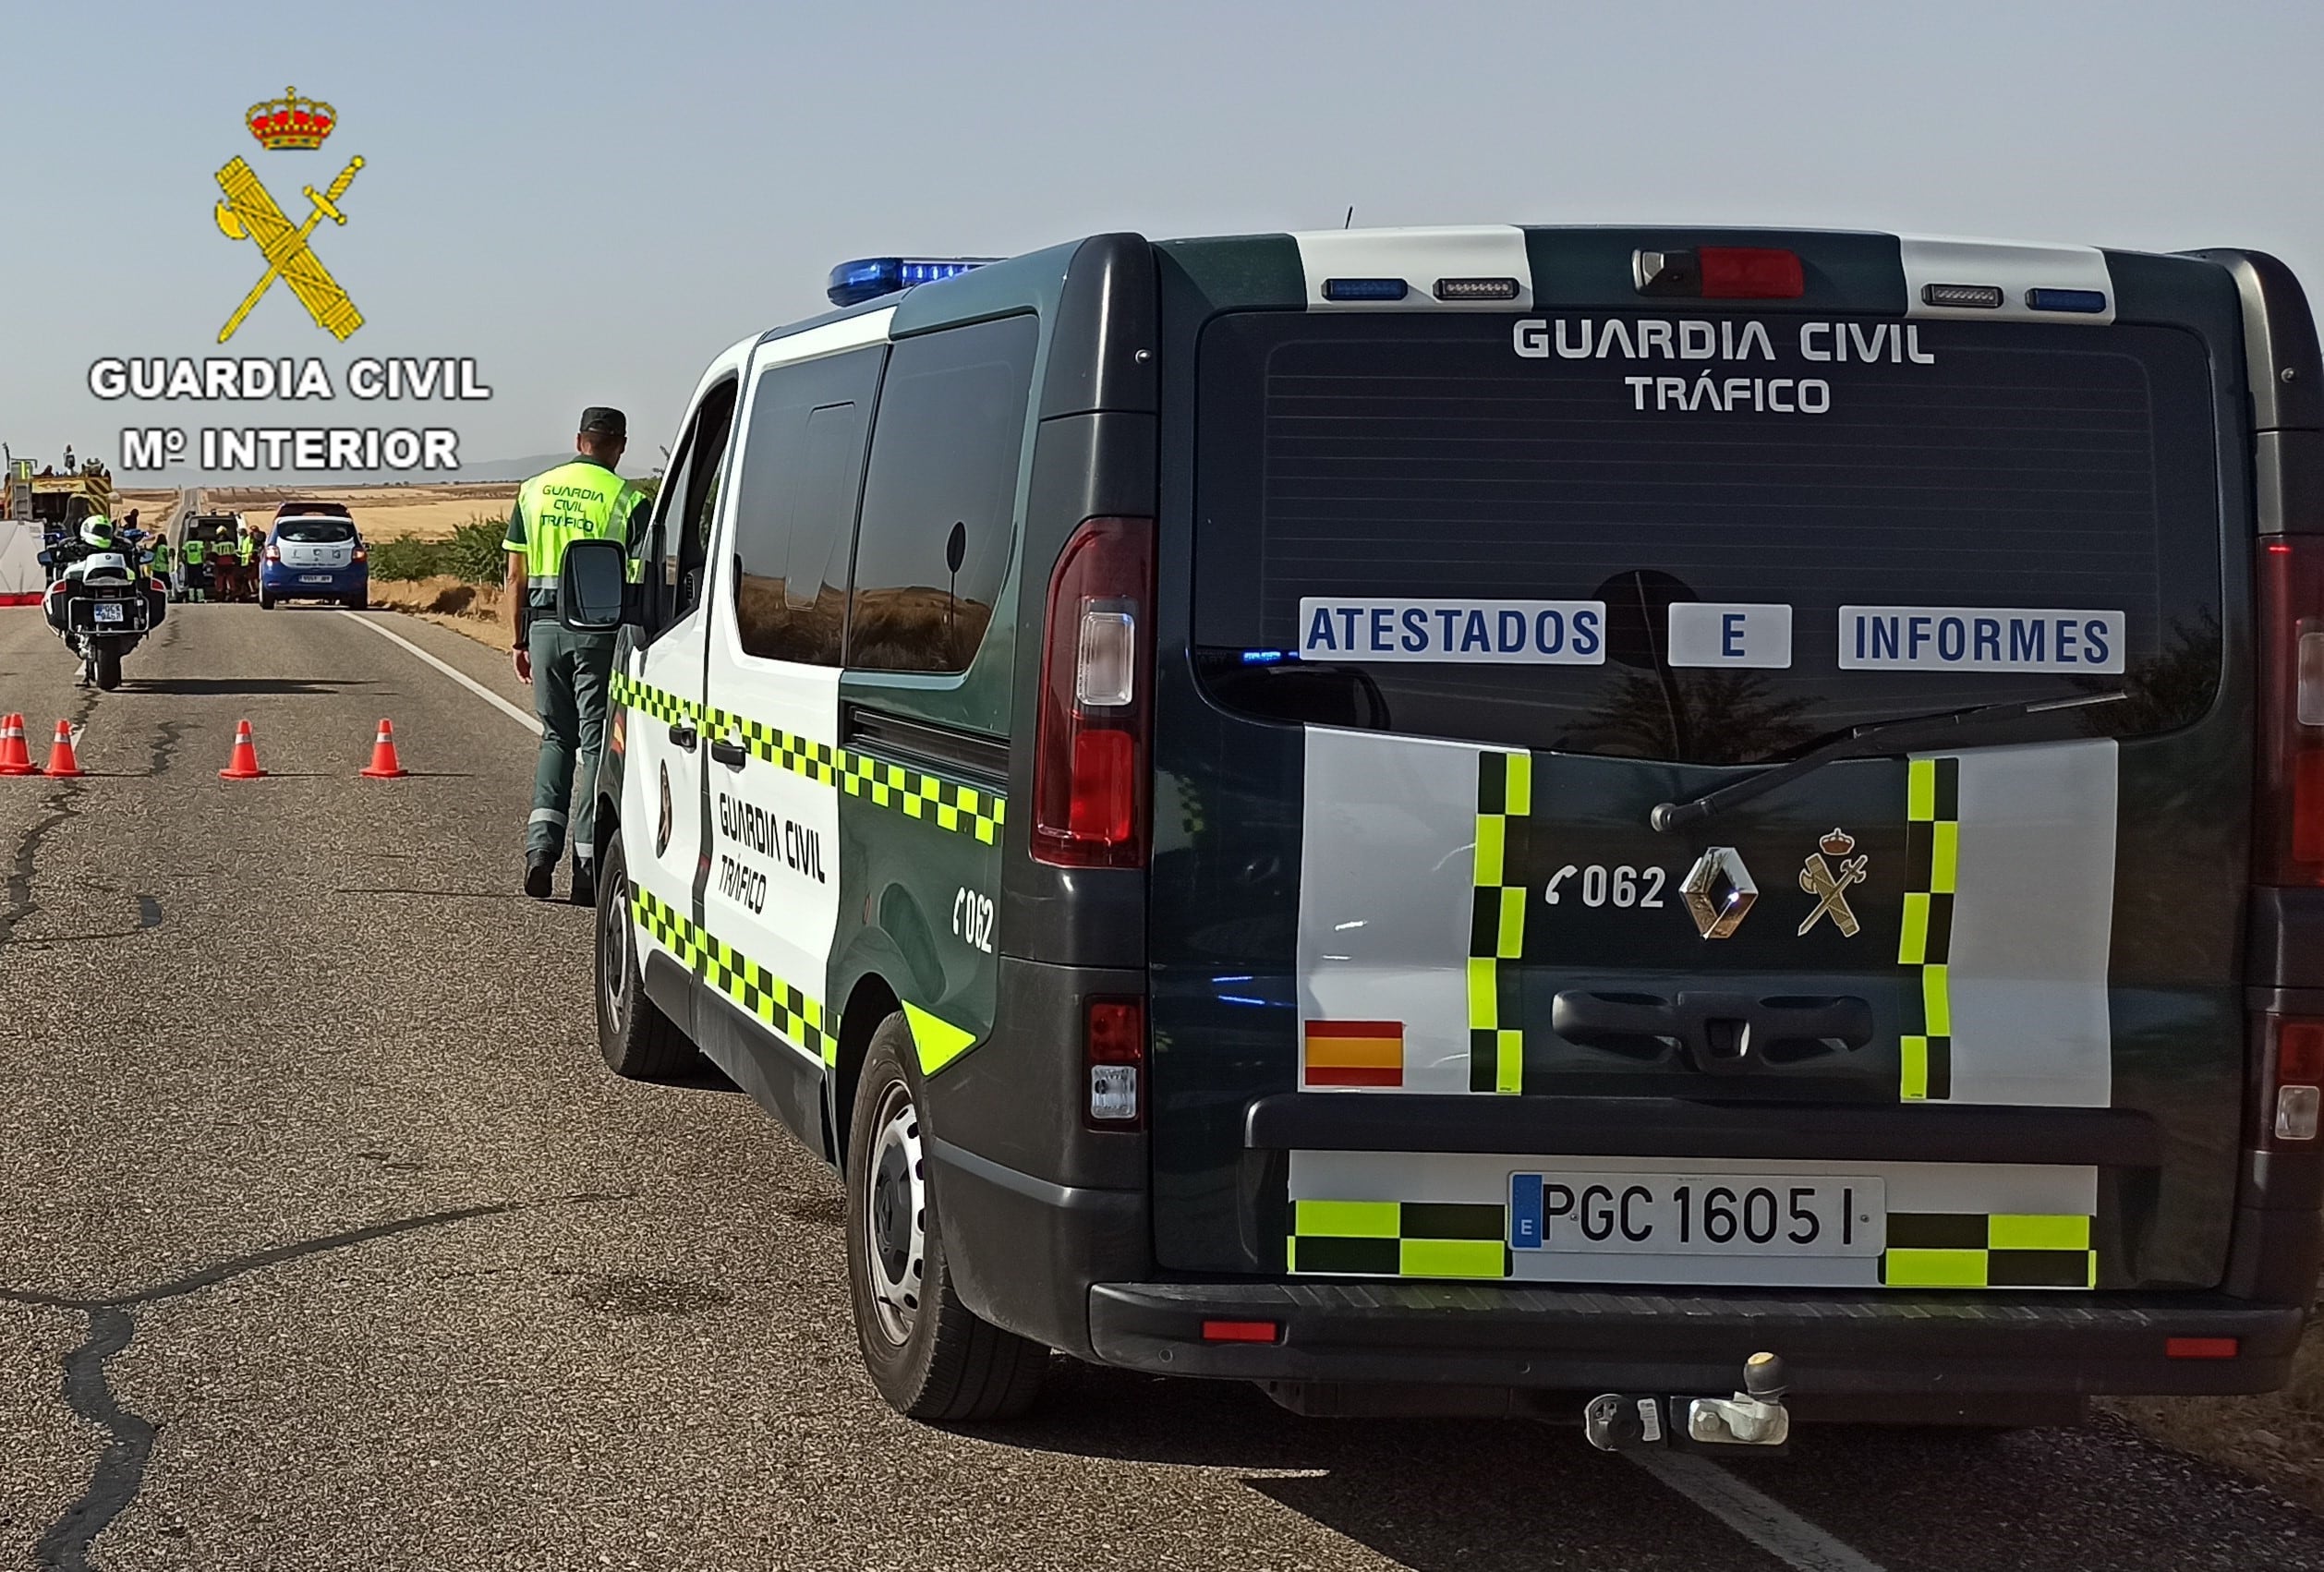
x,y
22,576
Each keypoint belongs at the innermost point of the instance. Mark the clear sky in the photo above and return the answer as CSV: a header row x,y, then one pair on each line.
x,y
593,198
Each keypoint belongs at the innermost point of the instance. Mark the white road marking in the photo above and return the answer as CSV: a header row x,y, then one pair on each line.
x,y
523,718
1760,1519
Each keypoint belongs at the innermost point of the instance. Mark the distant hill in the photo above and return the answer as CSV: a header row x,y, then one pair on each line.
x,y
491,470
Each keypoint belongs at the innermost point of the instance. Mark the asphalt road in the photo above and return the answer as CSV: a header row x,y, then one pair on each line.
x,y
329,1243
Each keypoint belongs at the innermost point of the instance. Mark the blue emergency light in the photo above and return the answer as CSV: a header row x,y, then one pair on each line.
x,y
868,278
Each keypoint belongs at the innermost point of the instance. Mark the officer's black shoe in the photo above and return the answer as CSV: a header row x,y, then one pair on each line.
x,y
540,874
584,884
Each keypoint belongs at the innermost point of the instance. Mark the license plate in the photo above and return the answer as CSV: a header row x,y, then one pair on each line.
x,y
108,610
1617,1213
314,578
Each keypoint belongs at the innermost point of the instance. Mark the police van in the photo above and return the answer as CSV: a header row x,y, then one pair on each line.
x,y
1503,819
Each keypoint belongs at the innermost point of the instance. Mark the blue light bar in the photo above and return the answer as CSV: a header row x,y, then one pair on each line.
x,y
2084,301
1366,289
868,278
1262,657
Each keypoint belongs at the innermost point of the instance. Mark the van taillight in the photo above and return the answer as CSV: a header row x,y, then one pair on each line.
x,y
1089,770
2292,1083
2288,817
1114,1050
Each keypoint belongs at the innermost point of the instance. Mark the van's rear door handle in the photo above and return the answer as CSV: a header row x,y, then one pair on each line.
x,y
729,753
685,737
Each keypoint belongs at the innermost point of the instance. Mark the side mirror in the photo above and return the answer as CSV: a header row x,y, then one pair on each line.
x,y
593,587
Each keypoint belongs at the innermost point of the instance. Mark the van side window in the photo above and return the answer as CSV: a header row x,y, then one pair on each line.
x,y
794,509
688,500
940,500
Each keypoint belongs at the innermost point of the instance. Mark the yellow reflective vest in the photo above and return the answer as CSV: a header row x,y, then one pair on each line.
x,y
580,500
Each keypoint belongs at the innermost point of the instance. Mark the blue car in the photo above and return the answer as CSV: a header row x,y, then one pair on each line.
x,y
315,557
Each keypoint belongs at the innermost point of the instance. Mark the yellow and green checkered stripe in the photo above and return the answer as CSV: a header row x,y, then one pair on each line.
x,y
1933,848
794,1015
663,705
1496,931
963,810
1978,1250
1400,1238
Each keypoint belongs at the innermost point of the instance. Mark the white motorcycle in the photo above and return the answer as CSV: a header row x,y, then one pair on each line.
x,y
102,601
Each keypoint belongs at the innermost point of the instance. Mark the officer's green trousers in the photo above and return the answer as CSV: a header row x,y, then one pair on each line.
x,y
570,671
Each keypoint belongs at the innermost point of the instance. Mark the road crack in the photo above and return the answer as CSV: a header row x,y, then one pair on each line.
x,y
112,1325
60,807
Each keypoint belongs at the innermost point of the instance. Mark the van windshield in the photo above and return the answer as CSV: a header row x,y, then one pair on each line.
x,y
1635,536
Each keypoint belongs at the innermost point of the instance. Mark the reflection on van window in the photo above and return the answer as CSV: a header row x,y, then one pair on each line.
x,y
794,511
939,504
689,499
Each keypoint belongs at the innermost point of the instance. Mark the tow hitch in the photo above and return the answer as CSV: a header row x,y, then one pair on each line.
x,y
1623,1421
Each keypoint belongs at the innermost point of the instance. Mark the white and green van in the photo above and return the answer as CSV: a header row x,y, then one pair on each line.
x,y
1463,820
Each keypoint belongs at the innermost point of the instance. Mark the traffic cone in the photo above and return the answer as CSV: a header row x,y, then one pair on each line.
x,y
61,761
14,758
243,764
384,766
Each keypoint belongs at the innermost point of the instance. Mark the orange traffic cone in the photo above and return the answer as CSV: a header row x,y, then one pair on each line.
x,y
15,757
244,764
384,766
61,761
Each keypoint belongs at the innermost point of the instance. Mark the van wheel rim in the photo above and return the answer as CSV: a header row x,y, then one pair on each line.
x,y
613,926
895,1240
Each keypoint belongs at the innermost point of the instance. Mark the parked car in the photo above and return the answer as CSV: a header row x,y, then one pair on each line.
x,y
315,557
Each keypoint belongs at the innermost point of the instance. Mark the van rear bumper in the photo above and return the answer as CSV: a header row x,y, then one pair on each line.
x,y
1849,1355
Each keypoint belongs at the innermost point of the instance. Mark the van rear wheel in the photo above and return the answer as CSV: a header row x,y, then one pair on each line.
x,y
638,1040
930,1356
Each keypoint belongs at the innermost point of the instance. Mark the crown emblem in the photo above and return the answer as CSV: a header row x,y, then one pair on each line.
x,y
1839,844
292,122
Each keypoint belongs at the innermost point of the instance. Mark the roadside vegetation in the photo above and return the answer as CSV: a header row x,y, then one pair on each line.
x,y
470,554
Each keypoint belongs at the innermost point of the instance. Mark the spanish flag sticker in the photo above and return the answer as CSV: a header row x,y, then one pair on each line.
x,y
1353,1053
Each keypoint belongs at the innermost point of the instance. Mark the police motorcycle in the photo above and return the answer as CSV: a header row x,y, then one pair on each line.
x,y
100,600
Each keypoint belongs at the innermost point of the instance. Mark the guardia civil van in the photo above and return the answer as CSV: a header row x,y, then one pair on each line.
x,y
1503,819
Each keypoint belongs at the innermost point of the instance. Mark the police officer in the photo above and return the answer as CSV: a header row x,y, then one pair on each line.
x,y
159,560
194,572
579,500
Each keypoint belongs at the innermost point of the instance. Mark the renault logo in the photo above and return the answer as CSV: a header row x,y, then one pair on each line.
x,y
1719,893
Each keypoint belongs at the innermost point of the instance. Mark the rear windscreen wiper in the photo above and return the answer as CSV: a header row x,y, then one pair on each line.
x,y
1872,741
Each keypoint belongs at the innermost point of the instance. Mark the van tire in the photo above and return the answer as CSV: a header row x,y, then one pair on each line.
x,y
948,1364
638,1041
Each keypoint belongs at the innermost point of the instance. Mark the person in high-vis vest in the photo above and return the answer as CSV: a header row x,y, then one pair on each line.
x,y
158,561
582,500
246,581
193,572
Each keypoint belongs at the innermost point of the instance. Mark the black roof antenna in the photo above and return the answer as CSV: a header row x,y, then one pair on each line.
x,y
1351,223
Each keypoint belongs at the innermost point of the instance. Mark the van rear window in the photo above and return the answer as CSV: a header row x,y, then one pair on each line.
x,y
1494,518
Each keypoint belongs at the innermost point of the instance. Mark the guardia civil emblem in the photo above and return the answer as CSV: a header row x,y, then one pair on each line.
x,y
1830,884
288,124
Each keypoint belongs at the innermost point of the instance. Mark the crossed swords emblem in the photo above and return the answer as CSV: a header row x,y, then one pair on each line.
x,y
249,213
1831,891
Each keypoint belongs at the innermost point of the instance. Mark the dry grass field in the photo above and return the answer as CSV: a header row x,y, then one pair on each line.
x,y
470,609
383,512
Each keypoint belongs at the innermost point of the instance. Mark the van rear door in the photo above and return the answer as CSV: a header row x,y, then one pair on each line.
x,y
1475,591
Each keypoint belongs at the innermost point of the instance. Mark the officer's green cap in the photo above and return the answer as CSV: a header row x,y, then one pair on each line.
x,y
599,420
